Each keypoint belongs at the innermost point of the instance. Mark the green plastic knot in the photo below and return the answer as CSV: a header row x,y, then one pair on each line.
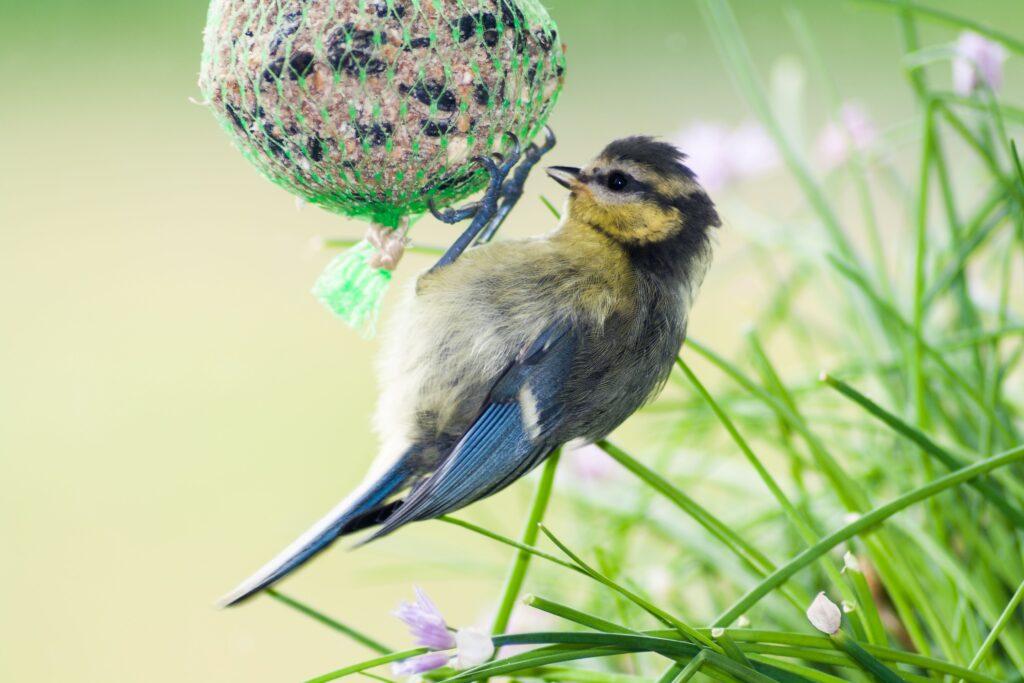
x,y
352,289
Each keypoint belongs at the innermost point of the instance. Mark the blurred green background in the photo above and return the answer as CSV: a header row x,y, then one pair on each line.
x,y
175,407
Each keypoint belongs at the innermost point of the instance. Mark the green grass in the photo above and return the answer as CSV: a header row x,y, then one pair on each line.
x,y
907,454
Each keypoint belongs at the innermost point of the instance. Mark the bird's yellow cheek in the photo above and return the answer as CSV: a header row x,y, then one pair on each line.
x,y
637,223
651,223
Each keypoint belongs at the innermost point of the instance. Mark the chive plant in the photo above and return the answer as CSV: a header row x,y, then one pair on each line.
x,y
890,487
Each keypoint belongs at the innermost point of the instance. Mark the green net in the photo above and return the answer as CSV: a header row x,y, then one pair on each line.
x,y
372,108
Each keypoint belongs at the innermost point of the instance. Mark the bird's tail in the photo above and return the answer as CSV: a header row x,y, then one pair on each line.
x,y
364,507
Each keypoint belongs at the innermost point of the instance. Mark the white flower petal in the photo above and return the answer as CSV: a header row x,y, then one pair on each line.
x,y
850,562
824,614
474,647
658,581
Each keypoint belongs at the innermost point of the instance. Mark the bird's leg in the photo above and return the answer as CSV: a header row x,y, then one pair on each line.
x,y
512,189
503,191
498,167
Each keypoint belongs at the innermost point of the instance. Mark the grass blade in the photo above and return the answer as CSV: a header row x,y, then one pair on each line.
x,y
997,629
517,573
950,19
949,460
368,664
352,633
746,552
661,615
864,523
508,541
574,615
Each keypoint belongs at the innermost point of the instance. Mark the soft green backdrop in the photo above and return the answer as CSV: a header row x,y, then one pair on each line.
x,y
174,406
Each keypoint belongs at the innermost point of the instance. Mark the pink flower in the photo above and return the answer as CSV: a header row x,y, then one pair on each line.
x,y
853,131
721,156
978,60
420,664
588,463
425,623
753,151
705,145
472,646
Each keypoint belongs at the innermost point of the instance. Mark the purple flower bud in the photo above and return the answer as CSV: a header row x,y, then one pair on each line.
x,y
978,60
420,664
425,623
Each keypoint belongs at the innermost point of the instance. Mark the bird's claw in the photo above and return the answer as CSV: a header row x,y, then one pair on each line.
x,y
492,164
452,216
500,196
513,154
535,152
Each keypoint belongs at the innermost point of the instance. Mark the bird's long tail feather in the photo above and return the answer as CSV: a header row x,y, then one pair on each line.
x,y
362,508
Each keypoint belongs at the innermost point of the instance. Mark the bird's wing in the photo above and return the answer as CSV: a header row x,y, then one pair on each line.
x,y
510,436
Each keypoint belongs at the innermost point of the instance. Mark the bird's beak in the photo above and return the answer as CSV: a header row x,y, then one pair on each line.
x,y
563,175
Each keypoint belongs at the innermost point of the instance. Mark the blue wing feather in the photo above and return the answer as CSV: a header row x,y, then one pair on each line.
x,y
499,447
348,516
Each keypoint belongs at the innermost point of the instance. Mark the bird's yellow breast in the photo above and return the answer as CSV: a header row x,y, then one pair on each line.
x,y
573,271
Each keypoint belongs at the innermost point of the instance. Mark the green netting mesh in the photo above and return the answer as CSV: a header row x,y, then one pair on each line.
x,y
372,107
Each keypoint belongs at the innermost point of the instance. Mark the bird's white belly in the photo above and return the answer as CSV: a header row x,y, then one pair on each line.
x,y
442,356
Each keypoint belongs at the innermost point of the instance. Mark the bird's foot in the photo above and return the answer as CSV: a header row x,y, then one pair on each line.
x,y
512,188
501,195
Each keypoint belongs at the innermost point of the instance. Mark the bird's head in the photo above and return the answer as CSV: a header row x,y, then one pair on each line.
x,y
640,194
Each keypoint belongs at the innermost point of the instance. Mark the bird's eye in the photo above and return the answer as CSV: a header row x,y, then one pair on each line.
x,y
617,181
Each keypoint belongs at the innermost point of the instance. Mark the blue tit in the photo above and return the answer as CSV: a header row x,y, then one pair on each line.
x,y
517,347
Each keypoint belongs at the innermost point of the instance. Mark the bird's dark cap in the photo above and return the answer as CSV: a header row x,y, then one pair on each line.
x,y
666,159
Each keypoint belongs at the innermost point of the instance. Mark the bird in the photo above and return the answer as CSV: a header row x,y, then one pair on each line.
x,y
516,347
